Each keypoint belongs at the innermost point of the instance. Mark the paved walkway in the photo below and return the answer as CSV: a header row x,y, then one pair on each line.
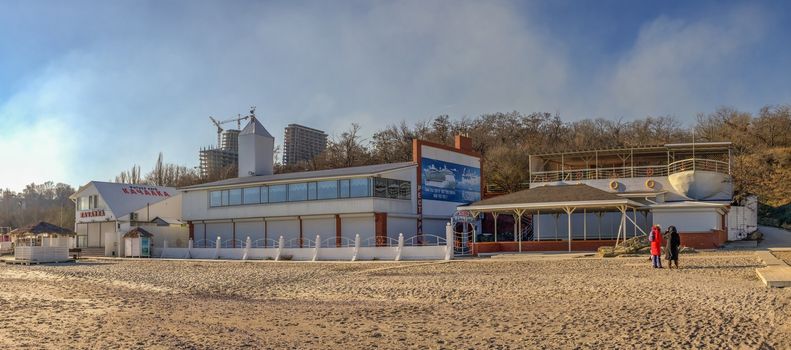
x,y
774,237
777,273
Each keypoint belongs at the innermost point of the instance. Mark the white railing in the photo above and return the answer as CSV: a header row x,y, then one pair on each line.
x,y
425,240
630,171
425,247
264,243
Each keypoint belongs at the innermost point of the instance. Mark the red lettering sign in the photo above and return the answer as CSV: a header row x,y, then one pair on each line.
x,y
92,213
146,191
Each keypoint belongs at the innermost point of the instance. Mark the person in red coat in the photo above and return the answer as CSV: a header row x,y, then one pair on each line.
x,y
655,237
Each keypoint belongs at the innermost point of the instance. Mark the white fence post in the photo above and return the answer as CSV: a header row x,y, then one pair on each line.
x,y
316,251
280,244
448,242
164,248
189,249
246,248
356,247
400,246
217,248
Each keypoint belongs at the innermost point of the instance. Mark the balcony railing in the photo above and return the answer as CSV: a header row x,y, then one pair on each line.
x,y
631,171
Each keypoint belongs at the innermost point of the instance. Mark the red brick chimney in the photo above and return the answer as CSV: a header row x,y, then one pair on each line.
x,y
463,143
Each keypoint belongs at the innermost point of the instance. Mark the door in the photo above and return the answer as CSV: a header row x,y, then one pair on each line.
x,y
127,247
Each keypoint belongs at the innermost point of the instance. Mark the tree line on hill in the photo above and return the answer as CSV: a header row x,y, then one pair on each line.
x,y
761,158
44,202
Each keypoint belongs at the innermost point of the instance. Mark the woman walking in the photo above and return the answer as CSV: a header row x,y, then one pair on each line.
x,y
671,251
655,237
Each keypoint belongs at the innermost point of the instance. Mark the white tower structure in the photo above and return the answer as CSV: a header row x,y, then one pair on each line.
x,y
256,150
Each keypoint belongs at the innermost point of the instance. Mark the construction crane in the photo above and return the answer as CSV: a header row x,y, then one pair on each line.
x,y
238,121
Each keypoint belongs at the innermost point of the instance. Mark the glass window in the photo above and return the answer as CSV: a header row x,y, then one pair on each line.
x,y
252,195
297,192
235,196
215,199
380,187
264,194
344,188
359,187
90,202
311,191
405,191
224,197
277,193
392,188
328,189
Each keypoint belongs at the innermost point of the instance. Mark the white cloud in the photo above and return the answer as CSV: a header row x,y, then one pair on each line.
x,y
680,66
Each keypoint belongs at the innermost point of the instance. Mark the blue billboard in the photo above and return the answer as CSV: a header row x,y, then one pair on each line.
x,y
450,182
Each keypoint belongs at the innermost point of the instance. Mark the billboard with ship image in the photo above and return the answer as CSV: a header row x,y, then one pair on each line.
x,y
450,182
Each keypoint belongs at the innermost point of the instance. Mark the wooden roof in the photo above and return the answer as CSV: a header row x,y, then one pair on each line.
x,y
42,228
137,232
551,194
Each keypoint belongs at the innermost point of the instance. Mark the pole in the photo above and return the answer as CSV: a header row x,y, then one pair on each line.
x,y
584,224
495,215
538,225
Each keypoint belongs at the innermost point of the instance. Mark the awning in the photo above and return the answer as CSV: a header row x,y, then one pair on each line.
x,y
549,198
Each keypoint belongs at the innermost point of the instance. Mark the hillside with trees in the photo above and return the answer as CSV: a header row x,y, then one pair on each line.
x,y
761,157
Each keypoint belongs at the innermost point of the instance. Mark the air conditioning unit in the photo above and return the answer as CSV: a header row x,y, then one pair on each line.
x,y
132,216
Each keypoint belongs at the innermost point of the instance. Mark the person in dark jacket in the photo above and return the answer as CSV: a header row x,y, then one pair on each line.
x,y
673,242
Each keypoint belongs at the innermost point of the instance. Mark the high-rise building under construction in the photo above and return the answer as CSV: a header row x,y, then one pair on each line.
x,y
302,143
213,160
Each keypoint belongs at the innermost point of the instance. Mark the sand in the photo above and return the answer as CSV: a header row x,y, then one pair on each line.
x,y
715,302
785,256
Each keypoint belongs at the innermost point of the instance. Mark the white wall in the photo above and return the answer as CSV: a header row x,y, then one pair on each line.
x,y
637,184
167,208
324,226
363,225
435,226
688,220
405,225
288,228
252,229
223,230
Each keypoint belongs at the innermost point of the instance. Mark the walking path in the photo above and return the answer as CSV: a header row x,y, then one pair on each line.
x,y
777,273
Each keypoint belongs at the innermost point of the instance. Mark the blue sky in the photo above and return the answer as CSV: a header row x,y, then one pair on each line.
x,y
88,88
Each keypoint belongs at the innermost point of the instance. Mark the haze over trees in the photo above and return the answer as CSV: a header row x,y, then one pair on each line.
x,y
761,158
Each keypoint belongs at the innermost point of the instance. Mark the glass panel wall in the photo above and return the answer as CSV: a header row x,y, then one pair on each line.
x,y
252,195
277,193
306,191
215,199
327,189
235,196
311,191
297,192
344,188
359,187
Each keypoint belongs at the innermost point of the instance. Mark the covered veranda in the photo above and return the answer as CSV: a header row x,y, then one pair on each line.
x,y
557,200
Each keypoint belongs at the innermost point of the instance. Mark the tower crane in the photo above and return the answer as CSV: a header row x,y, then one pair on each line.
x,y
238,121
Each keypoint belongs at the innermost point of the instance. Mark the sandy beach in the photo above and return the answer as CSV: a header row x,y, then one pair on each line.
x,y
715,302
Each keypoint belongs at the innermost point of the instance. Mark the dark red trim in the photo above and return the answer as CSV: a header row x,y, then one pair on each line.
x,y
338,230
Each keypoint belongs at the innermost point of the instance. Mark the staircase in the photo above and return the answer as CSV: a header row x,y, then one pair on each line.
x,y
92,252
